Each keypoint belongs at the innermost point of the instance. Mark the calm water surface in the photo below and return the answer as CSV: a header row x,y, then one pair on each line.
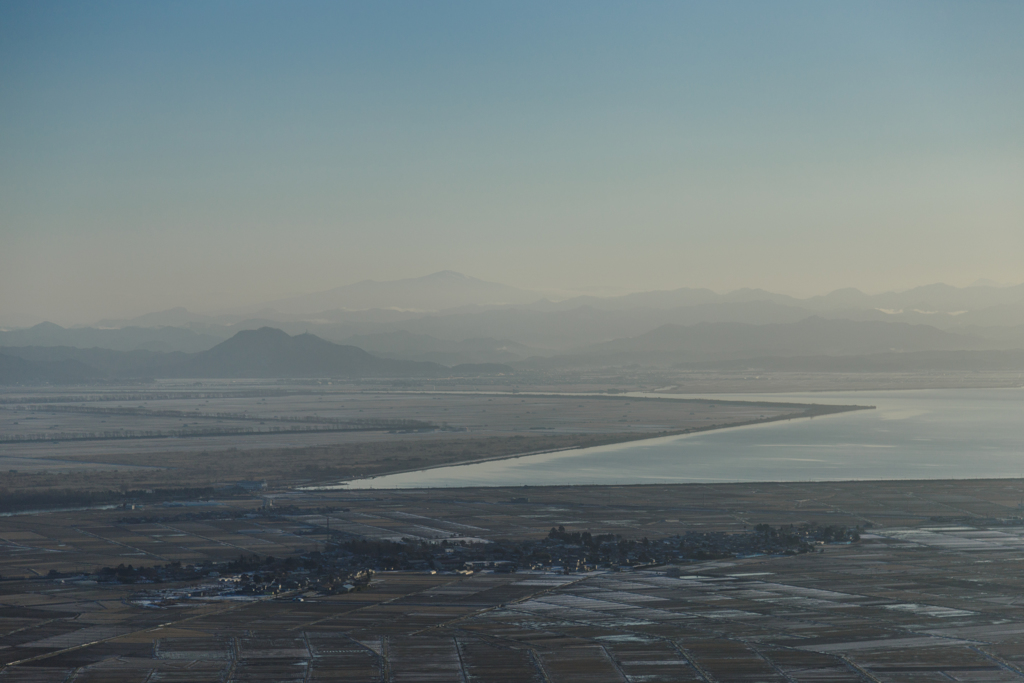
x,y
928,434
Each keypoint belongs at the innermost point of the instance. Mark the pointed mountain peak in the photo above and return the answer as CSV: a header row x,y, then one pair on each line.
x,y
445,275
47,326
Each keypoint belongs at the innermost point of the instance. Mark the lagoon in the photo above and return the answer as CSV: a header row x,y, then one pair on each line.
x,y
922,434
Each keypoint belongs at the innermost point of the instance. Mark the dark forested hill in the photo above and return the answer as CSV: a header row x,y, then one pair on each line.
x,y
269,352
15,370
266,352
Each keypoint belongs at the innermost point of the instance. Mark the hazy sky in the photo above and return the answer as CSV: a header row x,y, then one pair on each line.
x,y
207,154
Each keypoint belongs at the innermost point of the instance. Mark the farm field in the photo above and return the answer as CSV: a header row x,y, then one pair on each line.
x,y
927,592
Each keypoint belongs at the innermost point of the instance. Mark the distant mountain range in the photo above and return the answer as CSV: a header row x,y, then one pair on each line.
x,y
131,338
268,352
447,291
939,298
451,319
262,353
271,353
714,342
16,370
929,299
439,291
411,346
1011,362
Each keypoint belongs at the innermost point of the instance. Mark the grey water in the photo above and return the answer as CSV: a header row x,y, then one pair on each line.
x,y
926,434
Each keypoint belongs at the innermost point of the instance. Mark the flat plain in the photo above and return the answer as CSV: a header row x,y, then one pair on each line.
x,y
171,434
929,592
142,581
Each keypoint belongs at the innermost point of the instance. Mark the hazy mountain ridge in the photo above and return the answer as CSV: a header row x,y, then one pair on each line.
x,y
937,297
532,330
564,329
1011,361
469,327
437,291
172,317
269,352
448,293
164,338
102,363
262,353
715,342
411,346
16,370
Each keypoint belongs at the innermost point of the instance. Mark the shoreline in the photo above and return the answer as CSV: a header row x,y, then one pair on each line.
x,y
627,437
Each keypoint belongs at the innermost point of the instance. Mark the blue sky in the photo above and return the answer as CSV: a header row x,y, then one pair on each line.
x,y
214,154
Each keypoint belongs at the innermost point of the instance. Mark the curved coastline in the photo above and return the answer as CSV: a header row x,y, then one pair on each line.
x,y
912,435
617,440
